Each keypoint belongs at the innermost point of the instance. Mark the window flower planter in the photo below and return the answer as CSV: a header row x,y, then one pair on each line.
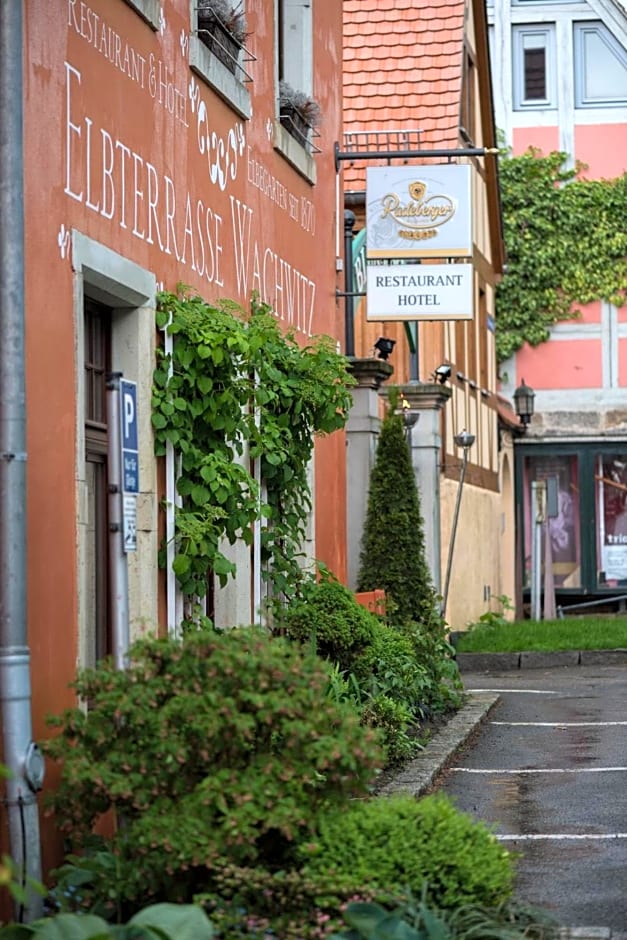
x,y
299,114
222,29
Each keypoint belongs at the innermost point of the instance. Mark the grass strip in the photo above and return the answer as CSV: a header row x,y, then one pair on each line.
x,y
571,633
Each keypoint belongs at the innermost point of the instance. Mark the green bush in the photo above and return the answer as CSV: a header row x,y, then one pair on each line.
x,y
389,665
247,902
393,544
395,720
328,616
400,843
442,686
222,746
416,920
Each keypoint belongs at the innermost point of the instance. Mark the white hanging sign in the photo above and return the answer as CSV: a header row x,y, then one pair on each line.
x,y
420,292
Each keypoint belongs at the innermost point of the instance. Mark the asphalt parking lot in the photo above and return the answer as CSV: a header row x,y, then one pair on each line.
x,y
548,769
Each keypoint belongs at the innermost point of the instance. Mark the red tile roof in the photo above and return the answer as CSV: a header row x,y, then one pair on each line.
x,y
403,64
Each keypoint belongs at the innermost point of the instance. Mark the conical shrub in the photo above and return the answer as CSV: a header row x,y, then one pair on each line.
x,y
393,543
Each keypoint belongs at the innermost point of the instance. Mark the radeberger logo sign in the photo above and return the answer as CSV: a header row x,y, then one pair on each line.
x,y
415,212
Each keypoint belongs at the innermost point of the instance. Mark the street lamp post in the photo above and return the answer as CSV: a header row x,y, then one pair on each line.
x,y
465,440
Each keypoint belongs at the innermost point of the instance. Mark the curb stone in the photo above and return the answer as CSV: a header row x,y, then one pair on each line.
x,y
533,659
419,775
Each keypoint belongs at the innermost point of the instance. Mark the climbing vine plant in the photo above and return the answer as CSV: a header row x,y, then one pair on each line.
x,y
235,381
566,244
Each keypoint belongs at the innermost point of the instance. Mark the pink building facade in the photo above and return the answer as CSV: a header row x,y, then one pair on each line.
x,y
560,83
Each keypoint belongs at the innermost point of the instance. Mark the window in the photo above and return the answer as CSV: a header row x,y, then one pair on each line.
x,y
563,540
97,363
534,67
611,506
600,67
294,83
469,95
148,10
217,52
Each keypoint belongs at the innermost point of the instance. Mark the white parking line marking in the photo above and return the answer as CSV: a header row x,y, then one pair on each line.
x,y
561,837
541,770
559,724
522,691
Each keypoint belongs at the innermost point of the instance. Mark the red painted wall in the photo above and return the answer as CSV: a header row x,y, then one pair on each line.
x,y
125,144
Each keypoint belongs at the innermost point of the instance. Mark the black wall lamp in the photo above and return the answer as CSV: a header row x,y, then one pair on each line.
x,y
442,373
523,403
384,347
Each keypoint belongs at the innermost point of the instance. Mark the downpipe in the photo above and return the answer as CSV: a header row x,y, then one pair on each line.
x,y
22,757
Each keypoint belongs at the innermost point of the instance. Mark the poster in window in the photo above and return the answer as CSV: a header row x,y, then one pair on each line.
x,y
612,498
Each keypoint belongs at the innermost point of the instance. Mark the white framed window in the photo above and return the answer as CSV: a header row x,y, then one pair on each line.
x,y
600,65
217,51
534,79
294,70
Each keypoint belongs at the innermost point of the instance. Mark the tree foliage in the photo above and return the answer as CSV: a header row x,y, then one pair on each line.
x,y
393,543
566,245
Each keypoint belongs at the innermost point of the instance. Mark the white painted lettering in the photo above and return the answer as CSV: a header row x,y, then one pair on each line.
x,y
70,129
125,151
138,193
95,207
170,210
108,186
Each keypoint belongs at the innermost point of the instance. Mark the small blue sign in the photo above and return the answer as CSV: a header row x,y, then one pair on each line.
x,y
130,448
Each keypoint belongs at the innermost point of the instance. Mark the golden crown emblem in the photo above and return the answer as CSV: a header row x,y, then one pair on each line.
x,y
417,191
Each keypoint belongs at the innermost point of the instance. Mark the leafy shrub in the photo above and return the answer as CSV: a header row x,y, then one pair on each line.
x,y
390,666
222,746
328,616
292,905
399,842
394,719
413,920
442,686
393,544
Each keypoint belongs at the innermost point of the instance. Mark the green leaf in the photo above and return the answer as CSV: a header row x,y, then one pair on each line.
x,y
181,565
181,922
72,927
16,932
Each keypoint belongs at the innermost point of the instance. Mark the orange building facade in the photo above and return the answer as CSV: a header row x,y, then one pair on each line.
x,y
417,91
151,160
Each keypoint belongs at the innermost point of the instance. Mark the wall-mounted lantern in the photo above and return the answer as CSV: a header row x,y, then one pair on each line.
x,y
523,403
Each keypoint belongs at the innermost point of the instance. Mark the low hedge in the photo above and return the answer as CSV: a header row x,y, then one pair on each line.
x,y
401,843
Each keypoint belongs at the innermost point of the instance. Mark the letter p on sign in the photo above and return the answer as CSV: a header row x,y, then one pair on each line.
x,y
128,394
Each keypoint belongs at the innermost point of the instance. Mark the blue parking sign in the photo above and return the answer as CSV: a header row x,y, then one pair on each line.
x,y
130,446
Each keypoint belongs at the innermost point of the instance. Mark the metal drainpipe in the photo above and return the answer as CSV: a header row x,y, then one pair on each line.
x,y
349,342
21,755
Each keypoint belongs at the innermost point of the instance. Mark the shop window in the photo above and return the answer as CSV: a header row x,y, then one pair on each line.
x,y
564,539
611,508
600,67
534,67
